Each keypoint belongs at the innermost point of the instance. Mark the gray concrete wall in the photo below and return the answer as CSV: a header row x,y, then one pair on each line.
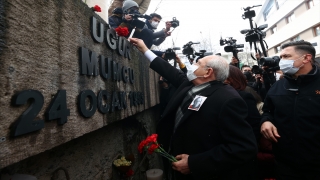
x,y
39,50
91,155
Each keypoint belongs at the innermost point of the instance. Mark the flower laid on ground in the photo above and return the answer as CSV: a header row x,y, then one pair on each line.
x,y
121,162
122,31
96,8
151,145
129,173
123,165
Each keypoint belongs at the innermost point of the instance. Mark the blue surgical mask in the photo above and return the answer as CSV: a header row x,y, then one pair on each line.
x,y
286,66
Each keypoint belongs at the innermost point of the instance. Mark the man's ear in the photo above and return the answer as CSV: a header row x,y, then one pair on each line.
x,y
307,58
209,73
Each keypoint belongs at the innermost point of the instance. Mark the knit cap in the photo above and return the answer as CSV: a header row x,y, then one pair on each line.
x,y
128,4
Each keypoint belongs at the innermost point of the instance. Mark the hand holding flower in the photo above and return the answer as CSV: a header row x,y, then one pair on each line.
x,y
181,165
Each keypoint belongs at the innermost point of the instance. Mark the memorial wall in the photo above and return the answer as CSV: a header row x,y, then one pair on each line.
x,y
64,74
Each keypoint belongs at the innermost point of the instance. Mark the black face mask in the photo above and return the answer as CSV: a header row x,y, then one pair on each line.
x,y
248,75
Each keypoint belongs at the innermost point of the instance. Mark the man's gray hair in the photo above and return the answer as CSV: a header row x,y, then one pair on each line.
x,y
220,67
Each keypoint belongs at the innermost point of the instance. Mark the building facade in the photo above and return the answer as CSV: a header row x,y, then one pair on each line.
x,y
290,20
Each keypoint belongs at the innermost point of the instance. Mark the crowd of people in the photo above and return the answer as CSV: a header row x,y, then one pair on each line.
x,y
222,121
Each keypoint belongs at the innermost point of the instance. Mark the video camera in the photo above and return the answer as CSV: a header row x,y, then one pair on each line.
x,y
249,14
188,50
255,34
174,23
170,54
201,54
135,14
271,64
231,45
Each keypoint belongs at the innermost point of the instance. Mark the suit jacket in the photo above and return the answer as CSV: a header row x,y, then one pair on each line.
x,y
217,137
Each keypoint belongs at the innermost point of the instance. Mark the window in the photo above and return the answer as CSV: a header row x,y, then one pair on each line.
x,y
273,29
269,10
316,30
277,49
311,3
297,38
290,18
280,3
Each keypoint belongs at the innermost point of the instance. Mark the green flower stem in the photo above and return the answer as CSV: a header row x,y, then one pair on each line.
x,y
172,157
166,155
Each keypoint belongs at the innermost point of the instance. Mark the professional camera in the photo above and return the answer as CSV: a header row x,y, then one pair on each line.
x,y
174,23
170,54
201,54
187,49
256,69
249,14
255,34
231,45
135,14
272,63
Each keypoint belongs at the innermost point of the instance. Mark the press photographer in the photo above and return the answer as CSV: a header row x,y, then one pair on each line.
x,y
130,21
160,36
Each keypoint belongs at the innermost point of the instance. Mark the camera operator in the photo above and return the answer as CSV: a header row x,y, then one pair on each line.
x,y
246,70
152,24
234,62
258,85
181,65
291,114
131,8
116,18
143,4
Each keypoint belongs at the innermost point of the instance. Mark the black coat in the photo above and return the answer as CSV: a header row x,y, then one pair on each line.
x,y
254,116
293,105
217,137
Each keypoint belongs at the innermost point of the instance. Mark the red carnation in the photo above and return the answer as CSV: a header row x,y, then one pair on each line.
x,y
97,8
153,138
151,145
152,148
122,31
141,145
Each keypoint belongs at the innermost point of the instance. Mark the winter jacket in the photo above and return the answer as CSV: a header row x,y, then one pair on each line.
x,y
159,36
293,105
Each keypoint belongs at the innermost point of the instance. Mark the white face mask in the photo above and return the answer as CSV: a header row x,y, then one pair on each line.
x,y
286,66
190,73
154,24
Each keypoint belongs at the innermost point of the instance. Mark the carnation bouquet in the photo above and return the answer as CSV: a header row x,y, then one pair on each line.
x,y
151,145
122,31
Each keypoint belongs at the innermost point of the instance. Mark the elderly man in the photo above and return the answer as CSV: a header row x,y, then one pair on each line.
x,y
291,116
213,142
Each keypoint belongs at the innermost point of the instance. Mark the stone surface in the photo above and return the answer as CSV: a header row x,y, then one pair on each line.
x,y
91,155
39,50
